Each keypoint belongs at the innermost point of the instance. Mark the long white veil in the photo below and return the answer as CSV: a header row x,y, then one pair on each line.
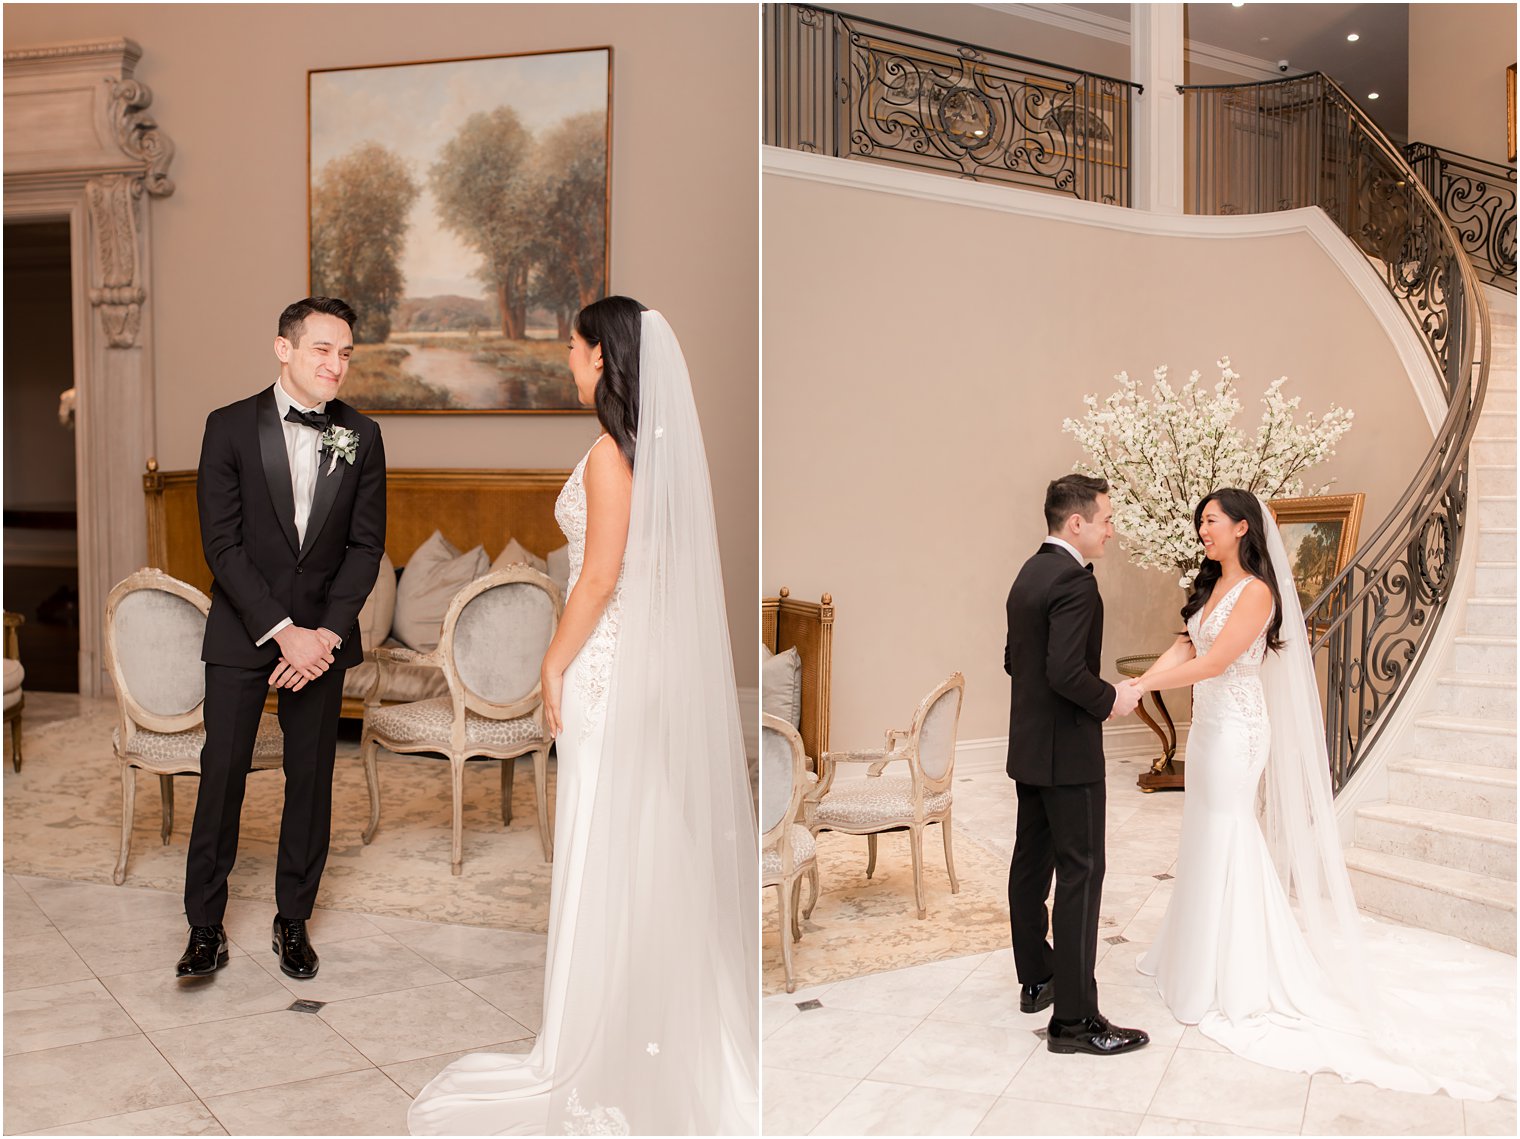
x,y
660,1030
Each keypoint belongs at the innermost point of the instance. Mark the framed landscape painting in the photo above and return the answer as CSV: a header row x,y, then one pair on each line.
x,y
1320,535
461,207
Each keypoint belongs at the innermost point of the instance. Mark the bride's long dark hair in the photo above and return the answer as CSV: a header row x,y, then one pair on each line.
x,y
1241,506
616,323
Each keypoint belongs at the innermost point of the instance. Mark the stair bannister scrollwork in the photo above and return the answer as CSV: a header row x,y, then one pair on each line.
x,y
1297,142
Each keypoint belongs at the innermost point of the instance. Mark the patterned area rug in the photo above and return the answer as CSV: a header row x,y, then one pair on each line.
x,y
863,925
63,820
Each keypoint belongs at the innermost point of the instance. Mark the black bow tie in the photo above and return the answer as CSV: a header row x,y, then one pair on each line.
x,y
1088,567
317,420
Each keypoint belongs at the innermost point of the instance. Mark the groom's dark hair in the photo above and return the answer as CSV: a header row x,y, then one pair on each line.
x,y
293,319
1072,494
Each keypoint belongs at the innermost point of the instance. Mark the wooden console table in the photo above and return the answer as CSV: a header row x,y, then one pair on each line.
x,y
1166,771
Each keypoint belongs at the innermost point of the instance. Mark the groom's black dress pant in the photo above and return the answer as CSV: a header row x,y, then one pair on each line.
x,y
1060,831
309,723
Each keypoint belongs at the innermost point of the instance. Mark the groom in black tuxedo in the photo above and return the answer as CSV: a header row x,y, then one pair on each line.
x,y
1055,755
291,493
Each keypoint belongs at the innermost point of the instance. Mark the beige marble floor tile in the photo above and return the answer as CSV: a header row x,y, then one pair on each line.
x,y
1192,1038
872,1108
255,1052
1164,1125
250,924
915,991
1338,1108
70,905
1028,1117
392,1027
1117,966
354,1103
191,1118
1220,1087
518,993
87,1081
358,968
385,923
989,996
412,1075
793,1103
157,999
1497,1117
464,951
954,1056
1114,1083
837,1042
56,1015
22,916
38,959
111,948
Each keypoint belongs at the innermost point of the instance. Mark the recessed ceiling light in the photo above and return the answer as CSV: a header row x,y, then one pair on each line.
x,y
1352,38
1372,95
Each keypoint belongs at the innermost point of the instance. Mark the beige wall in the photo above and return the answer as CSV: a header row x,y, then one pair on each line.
x,y
229,86
1457,57
919,359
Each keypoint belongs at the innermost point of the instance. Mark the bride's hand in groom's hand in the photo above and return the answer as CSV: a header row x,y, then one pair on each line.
x,y
552,685
1126,697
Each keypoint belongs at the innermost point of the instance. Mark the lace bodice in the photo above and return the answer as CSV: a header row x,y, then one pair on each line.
x,y
593,664
1237,690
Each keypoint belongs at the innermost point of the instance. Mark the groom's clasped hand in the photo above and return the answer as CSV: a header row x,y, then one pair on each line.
x,y
1127,696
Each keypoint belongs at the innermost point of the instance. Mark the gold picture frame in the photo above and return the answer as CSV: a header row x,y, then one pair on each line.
x,y
1509,108
1320,534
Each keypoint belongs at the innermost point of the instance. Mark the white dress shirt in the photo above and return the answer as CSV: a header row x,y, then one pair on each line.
x,y
1051,540
301,447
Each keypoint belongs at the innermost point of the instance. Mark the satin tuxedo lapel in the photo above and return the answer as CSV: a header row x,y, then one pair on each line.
x,y
322,499
277,466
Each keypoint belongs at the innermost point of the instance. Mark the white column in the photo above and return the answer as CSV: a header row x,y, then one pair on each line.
x,y
1155,53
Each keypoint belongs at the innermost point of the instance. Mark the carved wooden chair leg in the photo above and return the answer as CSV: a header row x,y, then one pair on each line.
x,y
786,942
955,886
813,881
541,793
128,802
797,908
166,796
870,855
456,771
372,777
916,842
508,769
16,744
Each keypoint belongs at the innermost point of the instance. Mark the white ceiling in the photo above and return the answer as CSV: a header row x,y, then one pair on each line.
x,y
1312,37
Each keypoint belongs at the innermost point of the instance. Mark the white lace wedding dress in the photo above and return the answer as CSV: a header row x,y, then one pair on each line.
x,y
1397,1007
501,1094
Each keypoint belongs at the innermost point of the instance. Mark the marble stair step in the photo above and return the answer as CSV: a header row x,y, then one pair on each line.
x,y
1493,616
1499,398
1487,656
1490,446
1494,478
1496,510
1478,743
1459,788
1475,695
1474,907
1479,846
1495,579
1497,544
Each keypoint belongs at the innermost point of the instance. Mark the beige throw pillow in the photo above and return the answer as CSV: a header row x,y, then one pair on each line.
x,y
432,576
379,607
559,569
781,686
517,555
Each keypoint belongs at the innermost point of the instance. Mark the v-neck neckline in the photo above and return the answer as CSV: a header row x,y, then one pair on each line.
x,y
1203,618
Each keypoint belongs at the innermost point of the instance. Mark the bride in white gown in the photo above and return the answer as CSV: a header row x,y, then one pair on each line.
x,y
650,1021
1308,985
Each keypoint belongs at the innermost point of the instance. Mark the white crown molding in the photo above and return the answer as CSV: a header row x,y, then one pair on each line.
x,y
1359,273
1114,30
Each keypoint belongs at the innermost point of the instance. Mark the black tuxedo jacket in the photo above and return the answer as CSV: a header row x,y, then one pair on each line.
x,y
261,575
1053,654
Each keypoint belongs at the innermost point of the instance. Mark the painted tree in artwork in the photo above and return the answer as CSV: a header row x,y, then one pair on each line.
x,y
485,191
358,228
572,171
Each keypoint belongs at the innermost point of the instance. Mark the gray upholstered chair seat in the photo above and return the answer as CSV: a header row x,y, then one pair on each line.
x,y
427,720
854,804
804,850
162,749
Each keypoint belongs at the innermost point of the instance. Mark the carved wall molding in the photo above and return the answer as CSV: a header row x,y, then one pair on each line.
x,y
119,48
117,290
139,135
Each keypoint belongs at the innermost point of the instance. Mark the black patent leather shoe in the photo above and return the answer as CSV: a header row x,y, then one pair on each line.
x,y
206,953
297,958
1032,998
1095,1036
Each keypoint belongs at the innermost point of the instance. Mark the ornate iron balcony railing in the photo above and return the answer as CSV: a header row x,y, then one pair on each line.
x,y
855,88
1303,142
1478,198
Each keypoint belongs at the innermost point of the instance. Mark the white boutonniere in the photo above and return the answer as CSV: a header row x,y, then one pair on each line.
x,y
340,441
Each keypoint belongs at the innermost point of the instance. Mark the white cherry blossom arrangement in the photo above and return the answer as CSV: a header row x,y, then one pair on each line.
x,y
1164,451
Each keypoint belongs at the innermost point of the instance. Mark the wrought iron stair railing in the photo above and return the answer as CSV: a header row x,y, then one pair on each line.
x,y
1300,142
851,87
1478,198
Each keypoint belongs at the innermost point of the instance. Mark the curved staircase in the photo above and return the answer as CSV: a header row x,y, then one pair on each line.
x,y
1440,853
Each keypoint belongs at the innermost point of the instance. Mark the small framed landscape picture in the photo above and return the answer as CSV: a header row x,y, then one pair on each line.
x,y
461,207
1320,534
